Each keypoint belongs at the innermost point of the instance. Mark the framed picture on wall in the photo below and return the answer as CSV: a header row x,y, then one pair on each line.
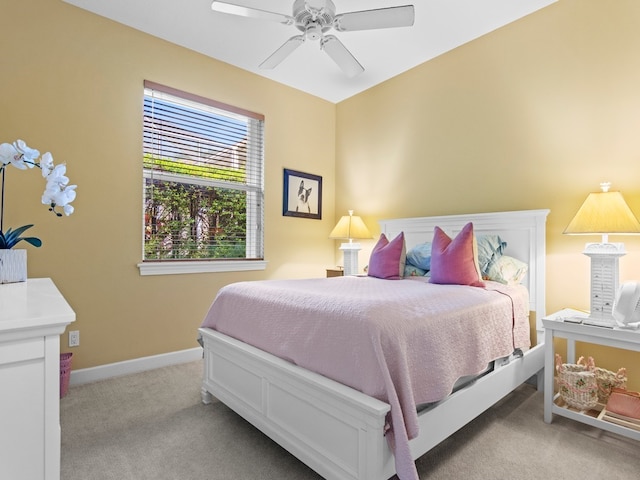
x,y
302,195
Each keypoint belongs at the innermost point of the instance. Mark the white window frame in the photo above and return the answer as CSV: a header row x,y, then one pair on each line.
x,y
255,210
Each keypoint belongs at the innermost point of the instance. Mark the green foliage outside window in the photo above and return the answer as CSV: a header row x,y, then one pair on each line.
x,y
185,220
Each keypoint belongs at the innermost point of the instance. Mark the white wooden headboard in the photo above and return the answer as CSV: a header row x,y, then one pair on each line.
x,y
524,231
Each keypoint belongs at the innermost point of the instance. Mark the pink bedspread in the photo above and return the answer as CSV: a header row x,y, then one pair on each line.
x,y
404,342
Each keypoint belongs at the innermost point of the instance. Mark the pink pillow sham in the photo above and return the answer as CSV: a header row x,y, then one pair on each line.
x,y
455,261
388,258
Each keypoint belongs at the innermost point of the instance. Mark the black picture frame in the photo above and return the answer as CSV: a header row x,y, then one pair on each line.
x,y
302,195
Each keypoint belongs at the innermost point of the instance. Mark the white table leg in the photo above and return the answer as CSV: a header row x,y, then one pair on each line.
x,y
571,351
548,374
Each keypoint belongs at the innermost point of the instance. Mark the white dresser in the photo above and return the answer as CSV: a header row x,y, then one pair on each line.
x,y
33,314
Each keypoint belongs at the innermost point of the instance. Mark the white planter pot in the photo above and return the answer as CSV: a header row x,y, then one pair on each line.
x,y
13,265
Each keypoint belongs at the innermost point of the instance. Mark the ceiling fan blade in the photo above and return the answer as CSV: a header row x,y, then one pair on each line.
x,y
233,9
402,16
343,57
283,52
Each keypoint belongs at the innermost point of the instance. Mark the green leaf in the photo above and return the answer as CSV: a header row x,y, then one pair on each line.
x,y
11,237
36,242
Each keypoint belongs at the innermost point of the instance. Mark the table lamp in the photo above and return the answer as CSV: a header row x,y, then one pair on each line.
x,y
603,213
350,227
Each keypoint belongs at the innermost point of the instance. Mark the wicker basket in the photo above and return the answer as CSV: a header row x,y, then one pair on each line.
x,y
577,383
65,372
607,380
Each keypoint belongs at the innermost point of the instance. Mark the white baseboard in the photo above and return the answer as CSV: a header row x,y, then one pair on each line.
x,y
93,374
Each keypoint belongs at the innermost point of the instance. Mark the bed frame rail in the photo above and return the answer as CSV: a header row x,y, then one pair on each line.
x,y
466,404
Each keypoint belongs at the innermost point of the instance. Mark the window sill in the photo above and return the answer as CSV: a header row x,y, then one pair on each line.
x,y
177,268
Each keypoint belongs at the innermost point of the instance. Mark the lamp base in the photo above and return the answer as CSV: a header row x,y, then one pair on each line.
x,y
350,251
604,281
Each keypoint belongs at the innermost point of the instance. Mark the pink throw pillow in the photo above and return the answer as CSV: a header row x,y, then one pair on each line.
x,y
388,258
455,262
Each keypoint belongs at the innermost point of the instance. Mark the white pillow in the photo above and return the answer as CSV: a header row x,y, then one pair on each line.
x,y
507,270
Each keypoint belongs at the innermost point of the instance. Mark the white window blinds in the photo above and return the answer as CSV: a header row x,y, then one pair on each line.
x,y
203,174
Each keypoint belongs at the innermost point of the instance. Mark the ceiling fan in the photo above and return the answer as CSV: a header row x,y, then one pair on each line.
x,y
314,18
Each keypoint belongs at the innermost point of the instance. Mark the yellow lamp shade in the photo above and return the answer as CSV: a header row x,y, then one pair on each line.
x,y
350,227
604,213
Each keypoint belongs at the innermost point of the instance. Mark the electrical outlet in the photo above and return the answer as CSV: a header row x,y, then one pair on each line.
x,y
74,338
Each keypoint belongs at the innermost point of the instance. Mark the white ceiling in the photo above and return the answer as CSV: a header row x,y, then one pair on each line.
x,y
440,26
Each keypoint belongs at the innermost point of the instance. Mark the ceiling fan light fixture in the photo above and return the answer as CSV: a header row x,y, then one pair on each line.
x,y
314,31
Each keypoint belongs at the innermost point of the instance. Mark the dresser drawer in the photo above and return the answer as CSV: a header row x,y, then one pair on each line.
x,y
20,351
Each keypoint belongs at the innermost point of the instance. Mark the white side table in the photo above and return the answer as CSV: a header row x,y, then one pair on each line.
x,y
556,326
33,314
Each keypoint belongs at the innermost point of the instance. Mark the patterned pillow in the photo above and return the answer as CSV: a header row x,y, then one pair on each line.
x,y
455,261
411,271
388,258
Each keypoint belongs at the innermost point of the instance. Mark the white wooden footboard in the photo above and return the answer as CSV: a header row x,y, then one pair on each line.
x,y
334,429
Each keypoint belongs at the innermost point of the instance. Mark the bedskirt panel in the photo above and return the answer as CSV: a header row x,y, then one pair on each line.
x,y
335,430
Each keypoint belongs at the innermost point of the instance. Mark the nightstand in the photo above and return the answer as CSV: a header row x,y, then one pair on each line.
x,y
563,324
335,272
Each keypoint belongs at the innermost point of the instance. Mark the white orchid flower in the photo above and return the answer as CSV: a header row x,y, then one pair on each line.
x,y
46,164
19,155
57,195
51,193
66,196
30,154
7,153
26,157
57,175
11,155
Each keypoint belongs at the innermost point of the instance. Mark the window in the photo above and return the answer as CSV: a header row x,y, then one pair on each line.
x,y
203,184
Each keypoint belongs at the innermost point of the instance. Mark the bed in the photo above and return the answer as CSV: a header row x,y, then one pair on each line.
x,y
339,431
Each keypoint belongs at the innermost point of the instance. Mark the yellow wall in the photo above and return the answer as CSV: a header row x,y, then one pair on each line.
x,y
72,83
534,115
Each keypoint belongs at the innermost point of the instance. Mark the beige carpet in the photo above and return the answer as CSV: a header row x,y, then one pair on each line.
x,y
153,426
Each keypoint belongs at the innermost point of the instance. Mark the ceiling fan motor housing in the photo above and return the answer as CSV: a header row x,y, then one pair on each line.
x,y
313,21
